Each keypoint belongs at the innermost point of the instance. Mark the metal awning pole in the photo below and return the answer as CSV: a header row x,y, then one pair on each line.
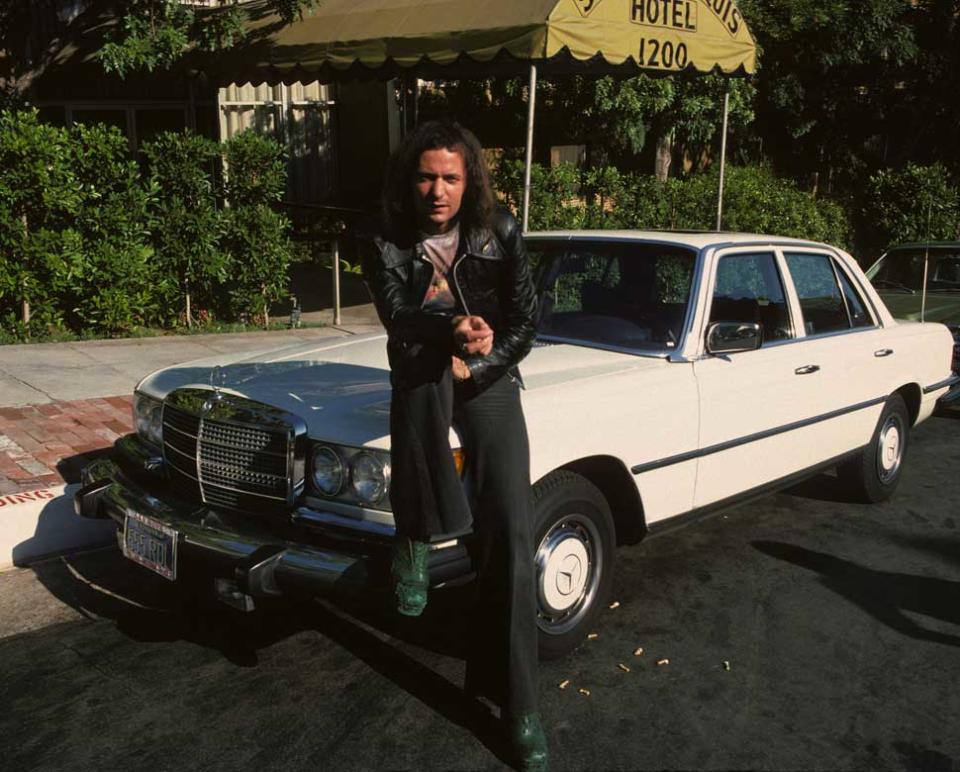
x,y
723,155
531,110
336,281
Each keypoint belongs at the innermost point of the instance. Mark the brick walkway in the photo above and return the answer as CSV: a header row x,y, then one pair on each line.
x,y
43,445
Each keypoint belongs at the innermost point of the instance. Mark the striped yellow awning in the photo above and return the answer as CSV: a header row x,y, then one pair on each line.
x,y
451,38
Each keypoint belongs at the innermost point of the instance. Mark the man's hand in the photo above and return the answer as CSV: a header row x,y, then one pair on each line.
x,y
460,370
472,335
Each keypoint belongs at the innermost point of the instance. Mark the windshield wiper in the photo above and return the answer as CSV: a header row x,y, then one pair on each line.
x,y
893,285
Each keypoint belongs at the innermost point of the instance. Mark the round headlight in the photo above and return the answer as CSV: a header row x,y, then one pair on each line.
x,y
148,419
327,471
368,477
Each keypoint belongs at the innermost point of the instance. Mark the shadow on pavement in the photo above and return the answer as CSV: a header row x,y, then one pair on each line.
x,y
950,413
57,529
944,548
146,608
822,487
883,595
432,689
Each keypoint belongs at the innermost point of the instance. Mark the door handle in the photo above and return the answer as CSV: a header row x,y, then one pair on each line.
x,y
807,369
884,352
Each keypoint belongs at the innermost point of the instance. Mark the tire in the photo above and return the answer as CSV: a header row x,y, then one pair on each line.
x,y
873,475
574,541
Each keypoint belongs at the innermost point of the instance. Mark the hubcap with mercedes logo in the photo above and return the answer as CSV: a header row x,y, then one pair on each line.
x,y
568,560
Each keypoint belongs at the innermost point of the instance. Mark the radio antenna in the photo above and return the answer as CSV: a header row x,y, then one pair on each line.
x,y
926,267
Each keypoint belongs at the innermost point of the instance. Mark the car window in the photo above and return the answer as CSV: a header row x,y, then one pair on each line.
x,y
821,299
856,308
748,288
902,270
623,294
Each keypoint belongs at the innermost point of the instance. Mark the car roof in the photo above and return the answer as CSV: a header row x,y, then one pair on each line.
x,y
925,245
693,239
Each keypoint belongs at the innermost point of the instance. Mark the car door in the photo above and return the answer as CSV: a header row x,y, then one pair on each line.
x,y
755,405
842,335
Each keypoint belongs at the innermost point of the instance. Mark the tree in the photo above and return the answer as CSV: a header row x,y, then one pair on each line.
x,y
154,34
147,35
614,118
831,77
919,203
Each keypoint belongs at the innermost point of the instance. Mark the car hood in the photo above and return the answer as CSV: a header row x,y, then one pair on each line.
x,y
940,308
341,388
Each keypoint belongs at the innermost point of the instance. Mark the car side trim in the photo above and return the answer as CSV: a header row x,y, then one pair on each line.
x,y
707,510
727,445
942,384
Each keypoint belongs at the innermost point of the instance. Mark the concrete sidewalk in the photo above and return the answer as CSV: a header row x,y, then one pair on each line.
x,y
40,373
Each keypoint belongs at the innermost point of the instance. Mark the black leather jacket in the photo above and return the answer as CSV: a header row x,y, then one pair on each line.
x,y
490,277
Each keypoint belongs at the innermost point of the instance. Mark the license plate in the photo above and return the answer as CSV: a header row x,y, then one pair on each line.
x,y
151,544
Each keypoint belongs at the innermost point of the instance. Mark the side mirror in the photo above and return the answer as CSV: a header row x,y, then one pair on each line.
x,y
733,337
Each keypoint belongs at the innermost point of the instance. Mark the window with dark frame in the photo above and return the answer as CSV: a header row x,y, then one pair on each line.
x,y
749,288
829,302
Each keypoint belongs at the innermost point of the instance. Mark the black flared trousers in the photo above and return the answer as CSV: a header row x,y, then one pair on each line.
x,y
431,504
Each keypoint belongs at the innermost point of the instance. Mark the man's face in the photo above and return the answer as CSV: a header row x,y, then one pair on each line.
x,y
439,182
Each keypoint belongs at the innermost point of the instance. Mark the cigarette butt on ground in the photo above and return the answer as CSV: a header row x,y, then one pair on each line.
x,y
584,692
726,665
663,661
615,604
593,636
623,667
638,652
564,683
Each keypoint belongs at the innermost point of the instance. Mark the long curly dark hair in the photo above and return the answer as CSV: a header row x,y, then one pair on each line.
x,y
397,202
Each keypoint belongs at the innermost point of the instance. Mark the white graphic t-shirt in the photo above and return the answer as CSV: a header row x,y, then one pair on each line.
x,y
440,250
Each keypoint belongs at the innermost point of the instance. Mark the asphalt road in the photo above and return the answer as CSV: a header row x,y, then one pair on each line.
x,y
840,624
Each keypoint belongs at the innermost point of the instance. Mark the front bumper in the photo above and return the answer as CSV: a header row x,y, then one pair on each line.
x,y
310,551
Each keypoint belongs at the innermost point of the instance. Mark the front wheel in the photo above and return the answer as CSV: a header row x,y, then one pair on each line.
x,y
873,475
575,540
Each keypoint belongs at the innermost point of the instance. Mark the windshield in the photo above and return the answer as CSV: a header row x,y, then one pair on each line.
x,y
622,294
901,270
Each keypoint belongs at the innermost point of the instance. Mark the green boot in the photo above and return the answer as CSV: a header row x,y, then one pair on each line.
x,y
410,579
528,743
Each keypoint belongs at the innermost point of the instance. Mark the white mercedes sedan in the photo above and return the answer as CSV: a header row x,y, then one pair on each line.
x,y
674,375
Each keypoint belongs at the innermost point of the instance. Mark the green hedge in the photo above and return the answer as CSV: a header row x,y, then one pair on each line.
x,y
99,243
755,201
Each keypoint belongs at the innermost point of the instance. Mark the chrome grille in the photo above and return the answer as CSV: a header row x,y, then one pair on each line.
x,y
229,463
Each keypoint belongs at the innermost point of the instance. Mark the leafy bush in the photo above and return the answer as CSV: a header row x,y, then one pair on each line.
x,y
255,237
256,170
189,262
258,243
918,203
757,201
95,245
754,201
72,227
111,289
38,201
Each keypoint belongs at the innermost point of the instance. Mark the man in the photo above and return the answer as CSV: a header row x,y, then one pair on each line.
x,y
452,285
